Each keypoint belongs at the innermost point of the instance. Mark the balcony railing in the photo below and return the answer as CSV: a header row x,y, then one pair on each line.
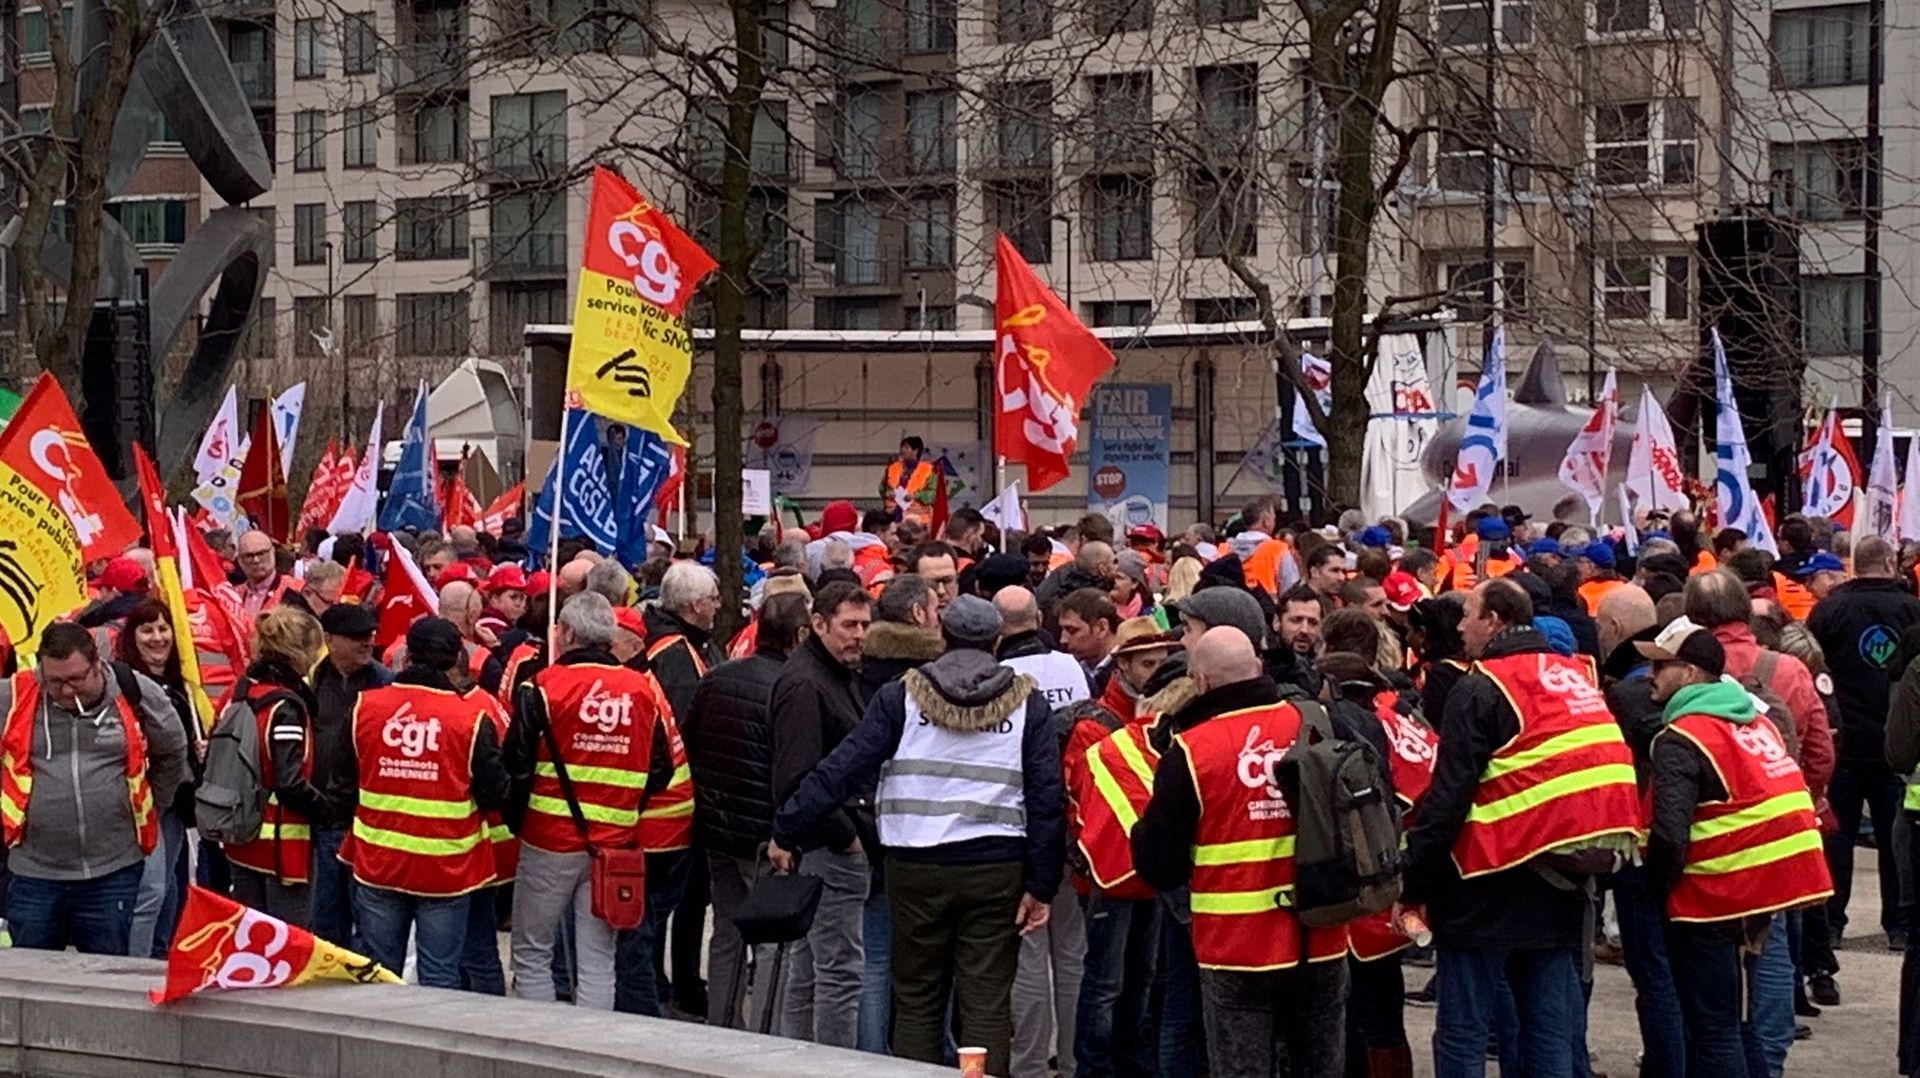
x,y
521,156
434,151
256,79
771,160
521,255
862,48
1012,152
425,65
874,270
1118,149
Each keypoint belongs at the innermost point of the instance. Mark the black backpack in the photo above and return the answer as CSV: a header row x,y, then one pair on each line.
x,y
1346,855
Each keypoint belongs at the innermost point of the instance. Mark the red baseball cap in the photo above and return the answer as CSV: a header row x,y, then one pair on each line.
x,y
630,619
538,581
123,574
506,577
1146,533
458,571
1403,590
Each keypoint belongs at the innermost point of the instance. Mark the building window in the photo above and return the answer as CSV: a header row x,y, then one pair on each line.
x,y
1214,12
930,133
360,229
1644,142
1639,288
363,137
931,25
1120,312
263,333
35,37
309,140
309,233
309,49
1024,211
511,308
310,317
1121,212
435,133
1106,17
152,222
1642,16
1821,46
430,323
862,132
1834,310
1228,115
430,228
932,316
360,325
1466,286
1022,131
1223,309
1821,181
528,234
359,44
848,314
1121,124
1460,157
930,232
36,119
529,132
1224,218
1462,24
1019,21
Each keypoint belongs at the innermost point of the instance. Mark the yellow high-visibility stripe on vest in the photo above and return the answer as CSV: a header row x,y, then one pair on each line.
x,y
428,847
554,806
1772,808
269,830
599,776
1229,902
1764,854
426,808
1560,786
1251,851
1581,738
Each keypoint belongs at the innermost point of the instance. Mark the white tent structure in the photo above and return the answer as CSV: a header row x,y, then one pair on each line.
x,y
473,409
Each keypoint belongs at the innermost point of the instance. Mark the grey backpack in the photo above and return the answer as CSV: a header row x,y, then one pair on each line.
x,y
1346,854
231,801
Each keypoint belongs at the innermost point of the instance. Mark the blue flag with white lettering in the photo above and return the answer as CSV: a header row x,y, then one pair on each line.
x,y
649,459
413,499
587,508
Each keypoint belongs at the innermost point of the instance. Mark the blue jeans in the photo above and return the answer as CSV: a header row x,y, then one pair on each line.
x,y
332,890
1113,1033
638,954
1770,1001
439,927
480,969
1183,1042
157,890
92,916
876,985
1706,969
1643,943
1545,986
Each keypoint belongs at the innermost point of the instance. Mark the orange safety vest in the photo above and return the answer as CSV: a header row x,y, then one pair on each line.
x,y
416,828
16,766
914,483
1262,567
521,654
1565,778
666,824
1120,768
602,718
1759,850
283,847
1593,591
1703,563
1795,598
500,837
1242,888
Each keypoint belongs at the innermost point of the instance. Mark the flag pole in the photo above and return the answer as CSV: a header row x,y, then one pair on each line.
x,y
553,532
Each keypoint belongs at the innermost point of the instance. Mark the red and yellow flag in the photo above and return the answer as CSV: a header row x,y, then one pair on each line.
x,y
1045,361
43,443
222,944
632,351
166,560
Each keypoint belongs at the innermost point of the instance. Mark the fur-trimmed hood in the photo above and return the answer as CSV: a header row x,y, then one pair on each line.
x,y
967,691
1177,694
893,640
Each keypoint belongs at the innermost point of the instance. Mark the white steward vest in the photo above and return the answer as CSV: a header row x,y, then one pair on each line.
x,y
1061,678
943,786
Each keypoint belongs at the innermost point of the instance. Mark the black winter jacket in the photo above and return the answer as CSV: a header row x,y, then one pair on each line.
x,y
1514,908
892,649
731,752
815,709
675,667
1859,625
335,771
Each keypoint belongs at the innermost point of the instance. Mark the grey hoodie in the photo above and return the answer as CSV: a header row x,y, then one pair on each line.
x,y
79,820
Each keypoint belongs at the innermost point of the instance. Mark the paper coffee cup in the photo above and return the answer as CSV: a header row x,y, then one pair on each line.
x,y
973,1063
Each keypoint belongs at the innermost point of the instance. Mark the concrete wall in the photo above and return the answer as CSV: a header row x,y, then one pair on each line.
x,y
81,1016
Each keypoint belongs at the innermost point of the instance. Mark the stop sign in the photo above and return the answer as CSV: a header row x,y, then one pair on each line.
x,y
765,434
1110,482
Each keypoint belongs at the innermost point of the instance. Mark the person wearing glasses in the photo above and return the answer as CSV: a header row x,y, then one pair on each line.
x,y
936,563
265,585
91,755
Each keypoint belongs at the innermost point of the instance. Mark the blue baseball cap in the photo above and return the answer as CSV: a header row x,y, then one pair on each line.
x,y
1822,562
1600,553
1376,535
1493,529
1545,546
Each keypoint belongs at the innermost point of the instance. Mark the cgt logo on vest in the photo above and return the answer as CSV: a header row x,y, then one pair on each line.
x,y
1758,738
404,731
1257,759
606,711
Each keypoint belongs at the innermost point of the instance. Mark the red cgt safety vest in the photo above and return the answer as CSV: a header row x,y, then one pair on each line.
x,y
16,766
416,828
666,824
1119,767
285,842
602,717
1243,847
521,654
1759,850
1565,778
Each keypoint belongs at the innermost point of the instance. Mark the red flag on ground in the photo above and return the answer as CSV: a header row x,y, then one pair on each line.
x,y
222,944
263,485
317,509
43,443
1045,363
507,506
406,598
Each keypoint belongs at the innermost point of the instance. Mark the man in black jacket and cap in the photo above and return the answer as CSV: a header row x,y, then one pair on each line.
x,y
348,670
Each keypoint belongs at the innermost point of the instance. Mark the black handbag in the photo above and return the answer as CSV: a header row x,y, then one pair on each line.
x,y
779,909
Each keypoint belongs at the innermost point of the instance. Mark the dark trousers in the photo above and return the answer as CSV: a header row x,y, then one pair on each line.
x,y
438,927
687,938
1545,988
331,893
92,916
1709,973
1113,1030
637,978
1183,1042
266,893
954,937
1278,1023
1874,786
1376,1010
480,969
1643,945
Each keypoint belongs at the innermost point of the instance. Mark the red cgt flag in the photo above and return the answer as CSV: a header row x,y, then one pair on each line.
x,y
1045,363
263,485
406,598
44,444
222,944
317,509
494,517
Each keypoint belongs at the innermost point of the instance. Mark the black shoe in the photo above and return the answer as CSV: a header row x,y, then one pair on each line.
x,y
1897,940
1422,996
1824,992
1802,1006
1802,1032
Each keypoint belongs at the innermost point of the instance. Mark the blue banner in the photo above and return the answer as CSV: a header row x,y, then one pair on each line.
x,y
1129,454
587,508
648,460
413,499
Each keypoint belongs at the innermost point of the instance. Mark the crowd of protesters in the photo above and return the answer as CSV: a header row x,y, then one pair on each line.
x,y
1018,766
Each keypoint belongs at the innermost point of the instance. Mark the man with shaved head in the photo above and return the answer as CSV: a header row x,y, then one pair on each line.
x,y
573,578
1025,649
264,584
1275,996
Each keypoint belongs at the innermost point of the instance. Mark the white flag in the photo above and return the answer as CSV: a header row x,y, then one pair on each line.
x,y
1626,517
1319,376
1732,488
1653,466
356,510
1584,469
1484,444
1910,495
1883,482
286,422
1004,510
220,444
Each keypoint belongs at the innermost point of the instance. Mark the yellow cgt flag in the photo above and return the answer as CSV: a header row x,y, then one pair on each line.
x,y
222,944
41,575
632,351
